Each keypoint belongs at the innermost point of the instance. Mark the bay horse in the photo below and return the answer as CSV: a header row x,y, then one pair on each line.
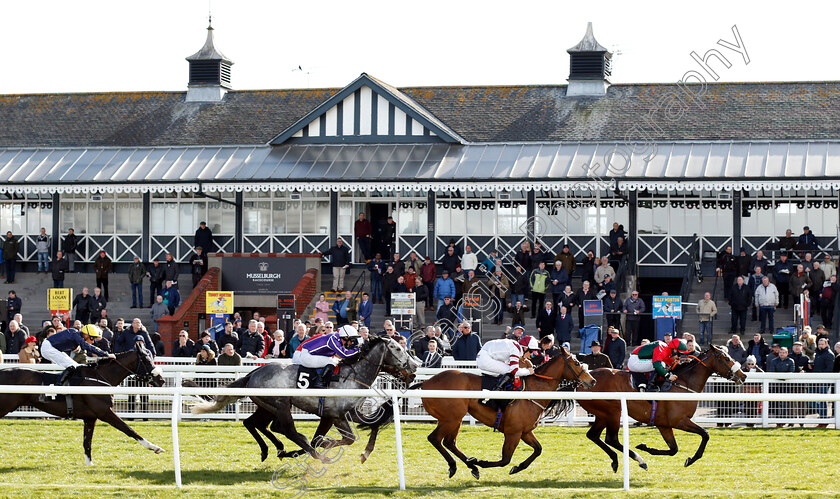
x,y
692,376
518,420
88,408
377,354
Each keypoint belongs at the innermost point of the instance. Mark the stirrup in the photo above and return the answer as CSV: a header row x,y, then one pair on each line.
x,y
503,381
642,387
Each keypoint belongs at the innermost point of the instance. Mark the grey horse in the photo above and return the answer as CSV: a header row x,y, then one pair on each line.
x,y
358,371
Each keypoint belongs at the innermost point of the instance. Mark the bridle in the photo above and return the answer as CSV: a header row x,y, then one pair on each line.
x,y
379,367
577,381
717,354
142,371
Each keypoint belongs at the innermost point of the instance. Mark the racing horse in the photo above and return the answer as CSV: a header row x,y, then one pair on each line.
x,y
358,371
88,408
692,375
518,419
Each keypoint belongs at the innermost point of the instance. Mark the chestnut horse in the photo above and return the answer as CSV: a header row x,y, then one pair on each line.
x,y
692,376
519,418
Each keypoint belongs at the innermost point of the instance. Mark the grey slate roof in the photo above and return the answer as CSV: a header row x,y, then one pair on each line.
x,y
532,113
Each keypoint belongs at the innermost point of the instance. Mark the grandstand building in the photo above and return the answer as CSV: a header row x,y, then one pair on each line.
x,y
290,170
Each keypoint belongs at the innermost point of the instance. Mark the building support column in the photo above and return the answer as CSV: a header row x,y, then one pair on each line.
x,y
633,222
237,232
737,207
531,214
431,237
55,230
146,238
334,219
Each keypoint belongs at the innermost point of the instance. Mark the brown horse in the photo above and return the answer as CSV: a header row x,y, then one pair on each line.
x,y
88,408
519,418
692,376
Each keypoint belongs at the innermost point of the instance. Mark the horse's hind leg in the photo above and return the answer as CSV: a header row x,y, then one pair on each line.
x,y
529,438
613,440
374,431
435,438
286,424
257,423
667,435
450,441
594,434
90,424
691,427
110,417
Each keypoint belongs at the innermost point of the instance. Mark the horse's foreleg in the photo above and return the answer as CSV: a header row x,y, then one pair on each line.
x,y
612,439
374,431
691,427
284,422
667,435
511,441
348,435
90,424
110,417
594,434
450,441
529,438
259,419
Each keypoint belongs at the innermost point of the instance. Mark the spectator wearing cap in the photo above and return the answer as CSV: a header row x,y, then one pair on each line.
x,y
206,356
775,348
596,359
29,353
568,259
204,238
198,264
615,348
444,287
465,345
103,266
205,338
184,346
800,360
807,240
516,333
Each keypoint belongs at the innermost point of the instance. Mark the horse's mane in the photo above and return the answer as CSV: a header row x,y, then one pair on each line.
x,y
366,347
542,367
104,361
685,366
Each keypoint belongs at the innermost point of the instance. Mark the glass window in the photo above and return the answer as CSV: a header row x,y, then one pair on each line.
x,y
129,218
257,217
511,215
79,218
279,217
293,217
346,217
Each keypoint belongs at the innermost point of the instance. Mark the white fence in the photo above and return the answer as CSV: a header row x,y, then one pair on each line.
x,y
178,392
762,413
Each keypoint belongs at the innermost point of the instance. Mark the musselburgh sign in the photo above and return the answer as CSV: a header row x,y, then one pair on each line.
x,y
257,276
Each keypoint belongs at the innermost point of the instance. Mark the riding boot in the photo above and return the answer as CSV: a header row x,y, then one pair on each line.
x,y
66,375
323,375
655,384
503,381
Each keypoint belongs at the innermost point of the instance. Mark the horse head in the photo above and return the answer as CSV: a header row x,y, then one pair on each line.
x,y
566,367
145,369
395,360
725,366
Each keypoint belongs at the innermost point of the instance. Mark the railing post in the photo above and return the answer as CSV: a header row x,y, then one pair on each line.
x,y
765,405
836,405
176,414
625,423
398,434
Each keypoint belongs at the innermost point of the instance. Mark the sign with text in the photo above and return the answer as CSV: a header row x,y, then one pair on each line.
x,y
219,302
60,299
402,303
247,275
286,302
667,306
593,307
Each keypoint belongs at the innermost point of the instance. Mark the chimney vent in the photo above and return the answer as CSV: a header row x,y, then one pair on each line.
x,y
589,67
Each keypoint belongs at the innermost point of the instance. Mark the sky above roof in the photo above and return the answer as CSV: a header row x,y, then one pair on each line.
x,y
93,46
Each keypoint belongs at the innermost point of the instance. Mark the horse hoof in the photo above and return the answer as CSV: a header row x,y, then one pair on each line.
x,y
643,466
159,451
364,457
514,470
452,471
615,466
688,462
474,472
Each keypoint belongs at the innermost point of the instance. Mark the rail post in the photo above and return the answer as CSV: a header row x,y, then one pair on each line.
x,y
625,423
176,414
398,434
765,405
837,406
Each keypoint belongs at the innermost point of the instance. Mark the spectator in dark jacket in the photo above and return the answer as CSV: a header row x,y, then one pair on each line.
x,y
432,357
759,261
615,348
171,272
82,305
518,311
13,305
588,266
155,273
758,349
612,309
465,345
740,298
98,303
450,260
204,238
564,325
800,360
15,338
546,320
251,343
184,346
160,349
124,340
69,246
59,268
421,345
559,279
198,265
447,315
807,240
744,261
585,293
103,266
782,364
171,297
736,349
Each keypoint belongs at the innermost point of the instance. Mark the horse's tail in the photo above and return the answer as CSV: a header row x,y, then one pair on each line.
x,y
218,403
385,414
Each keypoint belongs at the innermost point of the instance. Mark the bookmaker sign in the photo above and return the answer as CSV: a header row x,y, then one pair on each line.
x,y
257,276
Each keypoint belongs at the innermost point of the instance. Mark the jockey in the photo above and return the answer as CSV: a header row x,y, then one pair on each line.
x,y
325,350
656,356
57,347
502,357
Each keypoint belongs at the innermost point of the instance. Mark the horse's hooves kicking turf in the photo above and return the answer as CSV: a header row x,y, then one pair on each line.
x,y
474,472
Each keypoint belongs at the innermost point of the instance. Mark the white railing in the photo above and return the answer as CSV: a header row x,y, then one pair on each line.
x,y
177,393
